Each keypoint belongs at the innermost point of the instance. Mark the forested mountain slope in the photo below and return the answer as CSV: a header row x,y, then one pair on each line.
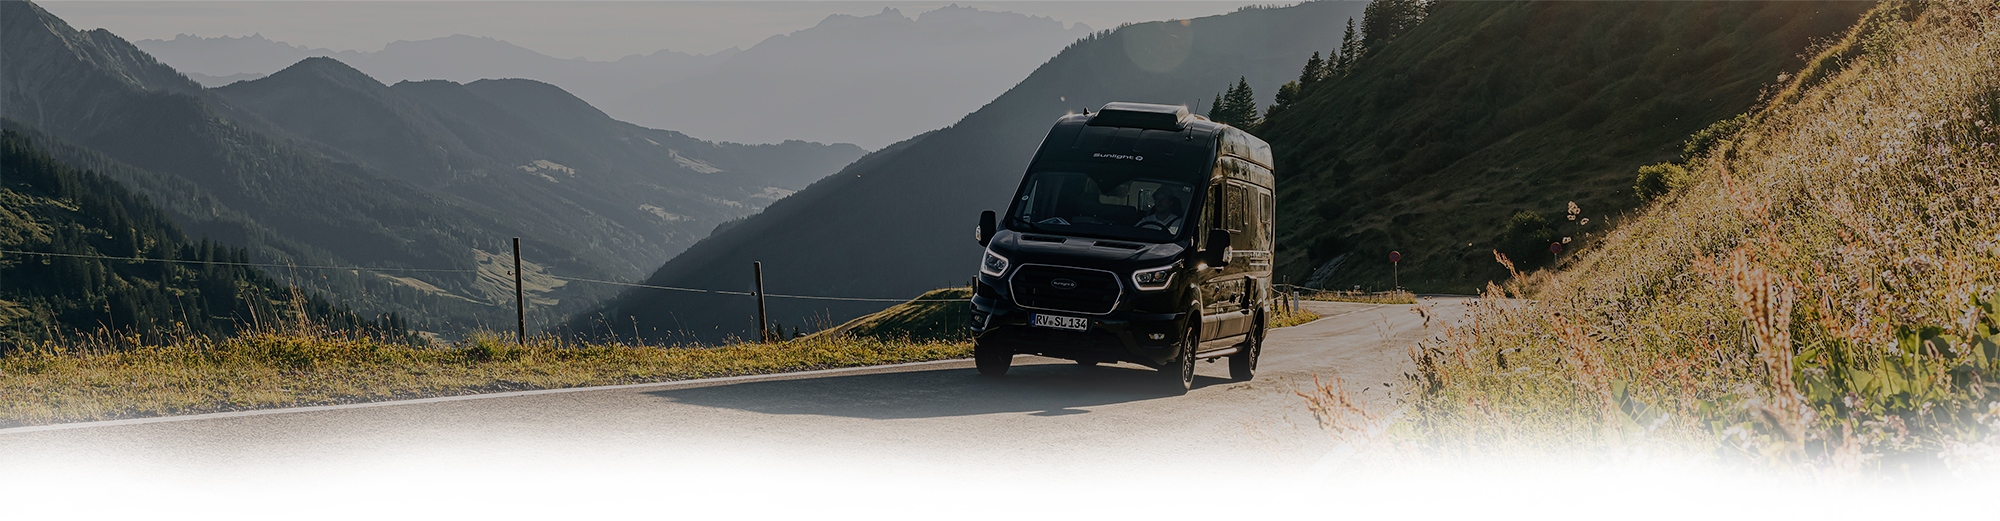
x,y
898,222
49,207
1438,139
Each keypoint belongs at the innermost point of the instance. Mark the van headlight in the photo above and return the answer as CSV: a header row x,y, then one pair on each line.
x,y
993,264
1156,278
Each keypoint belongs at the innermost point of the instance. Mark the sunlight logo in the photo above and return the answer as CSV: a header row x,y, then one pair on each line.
x,y
1119,156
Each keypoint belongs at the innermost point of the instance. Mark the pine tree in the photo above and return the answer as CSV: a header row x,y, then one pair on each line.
x,y
1215,112
1287,94
1239,106
1350,49
1385,20
1315,70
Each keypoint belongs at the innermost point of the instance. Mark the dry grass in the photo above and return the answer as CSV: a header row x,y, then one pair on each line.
x,y
1364,297
121,378
1285,317
1820,301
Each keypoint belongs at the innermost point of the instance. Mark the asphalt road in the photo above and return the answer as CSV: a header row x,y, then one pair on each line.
x,y
917,436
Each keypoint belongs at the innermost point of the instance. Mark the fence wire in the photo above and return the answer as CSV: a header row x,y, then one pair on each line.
x,y
448,270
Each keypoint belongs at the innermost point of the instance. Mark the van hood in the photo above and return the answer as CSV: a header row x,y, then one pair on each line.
x,y
1109,250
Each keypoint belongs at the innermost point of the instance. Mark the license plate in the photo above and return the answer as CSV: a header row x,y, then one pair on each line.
x,y
1052,321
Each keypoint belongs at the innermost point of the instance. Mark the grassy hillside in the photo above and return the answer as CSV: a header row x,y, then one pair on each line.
x,y
1824,294
939,315
897,222
1487,109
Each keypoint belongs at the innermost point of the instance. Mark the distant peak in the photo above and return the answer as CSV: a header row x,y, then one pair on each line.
x,y
452,38
957,14
425,83
322,67
838,20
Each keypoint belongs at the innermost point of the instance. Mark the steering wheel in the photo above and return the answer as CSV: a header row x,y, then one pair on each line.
x,y
1155,224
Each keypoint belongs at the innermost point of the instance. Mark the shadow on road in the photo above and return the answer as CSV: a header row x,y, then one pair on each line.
x,y
1038,389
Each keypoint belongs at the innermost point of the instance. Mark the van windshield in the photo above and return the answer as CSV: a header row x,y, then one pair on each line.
x,y
1103,205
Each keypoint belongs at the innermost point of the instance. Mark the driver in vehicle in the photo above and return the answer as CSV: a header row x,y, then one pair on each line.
x,y
1166,213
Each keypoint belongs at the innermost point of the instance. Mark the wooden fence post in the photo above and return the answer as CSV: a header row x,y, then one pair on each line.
x,y
520,304
763,327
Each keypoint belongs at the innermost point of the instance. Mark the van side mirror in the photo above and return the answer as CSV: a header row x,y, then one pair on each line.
x,y
1217,254
986,227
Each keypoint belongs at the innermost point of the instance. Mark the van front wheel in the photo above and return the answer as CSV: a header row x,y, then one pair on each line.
x,y
1179,375
991,359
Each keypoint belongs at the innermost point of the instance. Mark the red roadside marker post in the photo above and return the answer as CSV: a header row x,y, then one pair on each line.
x,y
1395,269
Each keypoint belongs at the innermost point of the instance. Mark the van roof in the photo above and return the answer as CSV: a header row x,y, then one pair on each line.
x,y
1132,134
1140,115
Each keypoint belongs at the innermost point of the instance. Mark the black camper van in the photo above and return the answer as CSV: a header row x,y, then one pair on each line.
x,y
1140,234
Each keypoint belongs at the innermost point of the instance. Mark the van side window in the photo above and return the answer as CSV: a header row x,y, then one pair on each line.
x,y
1210,214
1266,212
1236,217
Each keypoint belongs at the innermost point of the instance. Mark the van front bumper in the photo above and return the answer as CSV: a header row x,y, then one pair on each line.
x,y
1121,336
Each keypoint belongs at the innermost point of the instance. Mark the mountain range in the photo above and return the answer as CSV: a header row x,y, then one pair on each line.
x,y
219,61
898,222
319,164
833,82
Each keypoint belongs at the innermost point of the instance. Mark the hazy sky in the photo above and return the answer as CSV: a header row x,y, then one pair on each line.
x,y
598,30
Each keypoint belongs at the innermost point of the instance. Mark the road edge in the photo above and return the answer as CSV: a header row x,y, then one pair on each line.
x,y
465,397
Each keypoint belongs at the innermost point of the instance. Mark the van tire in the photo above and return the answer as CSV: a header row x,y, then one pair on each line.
x,y
1178,376
991,359
1243,364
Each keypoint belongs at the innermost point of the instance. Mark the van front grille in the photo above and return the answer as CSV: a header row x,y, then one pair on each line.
x,y
1057,288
